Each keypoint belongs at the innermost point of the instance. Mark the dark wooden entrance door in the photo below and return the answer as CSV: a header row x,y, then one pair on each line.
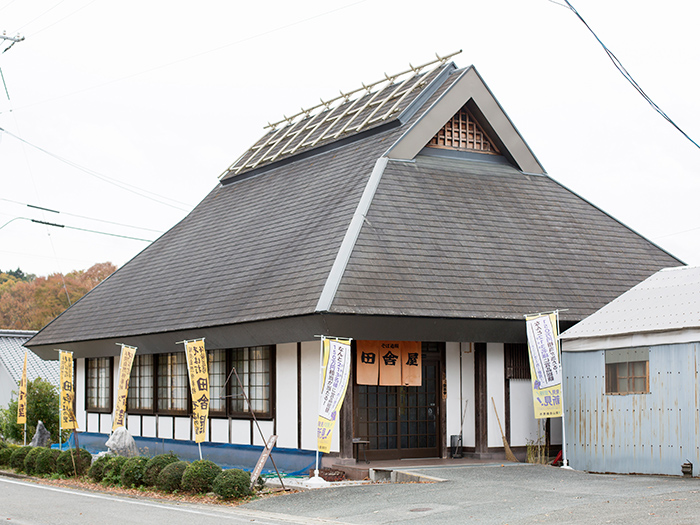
x,y
399,421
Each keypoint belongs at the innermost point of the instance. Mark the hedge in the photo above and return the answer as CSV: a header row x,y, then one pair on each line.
x,y
199,476
234,483
155,465
170,477
73,460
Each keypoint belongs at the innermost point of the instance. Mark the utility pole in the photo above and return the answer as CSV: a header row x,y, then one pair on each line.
x,y
13,39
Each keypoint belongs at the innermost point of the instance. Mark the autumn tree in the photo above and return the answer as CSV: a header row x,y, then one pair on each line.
x,y
29,303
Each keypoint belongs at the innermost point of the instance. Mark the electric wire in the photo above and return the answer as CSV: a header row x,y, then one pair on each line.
x,y
122,185
42,14
627,75
80,216
61,19
56,225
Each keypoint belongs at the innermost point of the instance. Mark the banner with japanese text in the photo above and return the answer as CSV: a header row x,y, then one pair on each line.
x,y
545,365
125,362
199,386
22,399
389,363
336,372
67,390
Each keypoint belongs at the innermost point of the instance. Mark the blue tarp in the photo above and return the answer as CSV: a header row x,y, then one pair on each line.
x,y
290,461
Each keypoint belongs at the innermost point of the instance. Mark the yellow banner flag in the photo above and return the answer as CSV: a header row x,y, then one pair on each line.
x,y
22,400
336,371
67,392
545,365
125,362
199,386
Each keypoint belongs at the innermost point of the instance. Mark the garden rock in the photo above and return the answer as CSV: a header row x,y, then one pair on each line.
x,y
121,443
42,437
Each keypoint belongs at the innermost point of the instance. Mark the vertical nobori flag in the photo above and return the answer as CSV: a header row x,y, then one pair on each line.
x,y
22,400
125,362
67,390
545,367
199,386
336,371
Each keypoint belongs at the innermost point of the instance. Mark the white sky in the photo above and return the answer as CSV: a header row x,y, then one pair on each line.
x,y
165,95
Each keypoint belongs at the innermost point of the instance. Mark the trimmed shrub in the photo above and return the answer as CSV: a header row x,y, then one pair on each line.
x,y
234,483
5,455
45,462
3,445
170,477
30,459
199,476
155,465
96,470
134,471
112,474
73,460
17,458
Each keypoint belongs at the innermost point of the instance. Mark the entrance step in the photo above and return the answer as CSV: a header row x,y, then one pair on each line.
x,y
355,471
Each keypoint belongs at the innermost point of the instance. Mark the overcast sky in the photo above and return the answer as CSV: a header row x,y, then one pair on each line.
x,y
140,106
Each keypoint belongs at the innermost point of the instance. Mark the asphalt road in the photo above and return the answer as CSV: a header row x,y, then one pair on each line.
x,y
513,494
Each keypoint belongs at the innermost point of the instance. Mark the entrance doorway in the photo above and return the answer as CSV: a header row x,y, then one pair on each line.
x,y
403,421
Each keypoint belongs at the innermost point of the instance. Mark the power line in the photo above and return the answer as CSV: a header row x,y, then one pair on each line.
x,y
46,223
122,185
627,76
80,216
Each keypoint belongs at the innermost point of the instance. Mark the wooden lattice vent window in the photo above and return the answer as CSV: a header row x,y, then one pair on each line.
x,y
463,133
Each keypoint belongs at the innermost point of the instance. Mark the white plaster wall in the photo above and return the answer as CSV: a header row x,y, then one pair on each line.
x,y
219,430
148,426
310,355
240,431
495,387
93,422
182,428
133,425
455,401
190,431
165,427
523,425
80,413
468,399
7,386
105,423
286,410
267,428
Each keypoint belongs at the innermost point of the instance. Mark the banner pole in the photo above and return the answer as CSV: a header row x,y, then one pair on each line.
x,y
565,461
320,387
25,434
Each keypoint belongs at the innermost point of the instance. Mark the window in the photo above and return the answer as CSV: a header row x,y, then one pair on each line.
x,y
173,388
141,384
517,360
253,366
99,384
217,380
627,371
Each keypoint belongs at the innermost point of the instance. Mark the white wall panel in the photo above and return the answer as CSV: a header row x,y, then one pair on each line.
x,y
182,428
133,425
148,426
106,423
240,431
310,355
495,387
165,427
93,422
452,376
219,430
286,410
267,428
79,384
523,425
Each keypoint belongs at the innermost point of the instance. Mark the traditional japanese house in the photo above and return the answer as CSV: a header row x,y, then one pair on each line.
x,y
631,380
411,211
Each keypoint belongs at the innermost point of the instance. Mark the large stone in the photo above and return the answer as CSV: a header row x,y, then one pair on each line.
x,y
122,444
42,437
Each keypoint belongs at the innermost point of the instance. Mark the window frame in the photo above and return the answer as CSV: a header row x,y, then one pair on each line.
x,y
154,387
110,385
268,415
156,397
627,358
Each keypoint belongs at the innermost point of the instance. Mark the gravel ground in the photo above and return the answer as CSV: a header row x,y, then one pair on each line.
x,y
512,494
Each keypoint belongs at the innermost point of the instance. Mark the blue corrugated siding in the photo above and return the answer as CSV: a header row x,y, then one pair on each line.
x,y
644,433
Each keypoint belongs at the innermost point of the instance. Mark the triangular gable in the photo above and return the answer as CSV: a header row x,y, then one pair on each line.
x,y
469,90
463,133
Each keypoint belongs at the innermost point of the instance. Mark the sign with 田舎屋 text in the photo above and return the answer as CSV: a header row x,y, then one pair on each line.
x,y
389,363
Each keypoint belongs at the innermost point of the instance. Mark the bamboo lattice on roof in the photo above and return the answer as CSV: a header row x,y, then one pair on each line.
x,y
372,105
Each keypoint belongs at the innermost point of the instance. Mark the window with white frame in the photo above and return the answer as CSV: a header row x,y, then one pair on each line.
x,y
98,391
172,383
141,384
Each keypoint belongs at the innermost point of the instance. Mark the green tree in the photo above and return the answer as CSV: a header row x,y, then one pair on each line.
x,y
42,405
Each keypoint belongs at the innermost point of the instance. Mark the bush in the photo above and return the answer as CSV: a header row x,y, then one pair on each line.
x,y
234,483
42,404
17,458
170,477
46,461
5,455
112,474
133,471
199,476
72,461
155,465
97,468
3,445
30,459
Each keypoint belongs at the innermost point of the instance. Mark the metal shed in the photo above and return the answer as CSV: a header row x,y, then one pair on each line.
x,y
631,380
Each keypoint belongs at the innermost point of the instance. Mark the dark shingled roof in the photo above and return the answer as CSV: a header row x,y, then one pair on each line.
x,y
443,237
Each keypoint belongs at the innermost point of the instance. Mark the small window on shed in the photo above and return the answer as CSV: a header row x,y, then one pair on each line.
x,y
627,371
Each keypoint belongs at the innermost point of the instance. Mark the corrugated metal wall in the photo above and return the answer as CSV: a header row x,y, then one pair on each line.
x,y
638,433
